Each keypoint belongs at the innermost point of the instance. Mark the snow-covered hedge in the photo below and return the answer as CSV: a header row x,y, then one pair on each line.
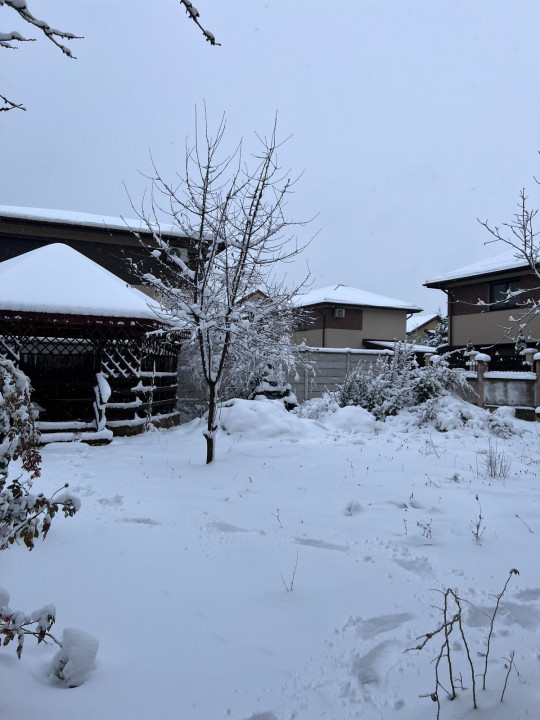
x,y
397,382
23,515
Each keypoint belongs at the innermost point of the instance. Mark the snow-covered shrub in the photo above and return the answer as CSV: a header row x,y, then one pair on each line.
x,y
521,342
23,515
440,335
18,435
318,408
271,381
393,383
77,650
448,412
15,624
501,421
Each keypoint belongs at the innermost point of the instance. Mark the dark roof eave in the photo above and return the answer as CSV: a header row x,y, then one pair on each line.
x,y
79,319
358,307
104,229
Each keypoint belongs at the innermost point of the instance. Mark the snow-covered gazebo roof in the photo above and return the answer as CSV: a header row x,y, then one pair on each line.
x,y
344,295
56,279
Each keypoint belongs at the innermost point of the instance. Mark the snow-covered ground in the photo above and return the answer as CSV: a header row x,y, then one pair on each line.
x,y
287,579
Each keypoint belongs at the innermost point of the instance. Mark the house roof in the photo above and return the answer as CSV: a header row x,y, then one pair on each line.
x,y
70,217
345,295
495,264
418,321
59,280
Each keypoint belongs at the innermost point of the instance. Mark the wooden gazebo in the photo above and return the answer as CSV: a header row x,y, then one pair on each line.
x,y
98,357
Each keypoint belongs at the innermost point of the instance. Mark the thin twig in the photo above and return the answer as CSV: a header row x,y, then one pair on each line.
x,y
513,571
523,521
290,586
510,666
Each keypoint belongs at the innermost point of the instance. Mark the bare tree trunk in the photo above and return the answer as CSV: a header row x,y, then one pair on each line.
x,y
211,426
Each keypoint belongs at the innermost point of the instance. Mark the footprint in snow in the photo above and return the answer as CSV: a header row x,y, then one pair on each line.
x,y
529,595
115,501
419,566
510,613
373,667
321,544
381,624
221,526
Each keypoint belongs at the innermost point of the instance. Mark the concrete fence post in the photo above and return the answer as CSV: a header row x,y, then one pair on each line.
x,y
482,361
536,360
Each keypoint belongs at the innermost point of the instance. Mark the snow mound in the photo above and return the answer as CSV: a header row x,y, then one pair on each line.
x,y
351,419
74,661
263,418
326,411
269,419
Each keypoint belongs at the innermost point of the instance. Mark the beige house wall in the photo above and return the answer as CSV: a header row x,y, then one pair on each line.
x,y
491,327
312,338
382,324
378,324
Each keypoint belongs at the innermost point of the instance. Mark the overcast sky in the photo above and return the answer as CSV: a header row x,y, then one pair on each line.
x,y
410,119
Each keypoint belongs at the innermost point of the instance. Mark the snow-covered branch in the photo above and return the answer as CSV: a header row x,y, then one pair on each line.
x,y
520,234
10,39
7,39
194,14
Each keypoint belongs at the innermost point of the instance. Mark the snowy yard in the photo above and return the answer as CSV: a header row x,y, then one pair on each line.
x,y
186,572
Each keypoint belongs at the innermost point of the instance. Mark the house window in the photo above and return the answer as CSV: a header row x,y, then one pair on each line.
x,y
500,294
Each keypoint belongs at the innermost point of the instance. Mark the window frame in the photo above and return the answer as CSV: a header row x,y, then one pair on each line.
x,y
501,287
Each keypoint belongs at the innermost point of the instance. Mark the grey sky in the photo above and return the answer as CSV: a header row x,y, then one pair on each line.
x,y
410,119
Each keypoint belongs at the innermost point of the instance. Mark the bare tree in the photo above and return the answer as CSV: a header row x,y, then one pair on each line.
x,y
7,39
225,295
521,235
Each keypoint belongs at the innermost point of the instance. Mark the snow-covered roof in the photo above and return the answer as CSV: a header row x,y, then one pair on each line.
x,y
496,263
417,321
344,295
71,217
57,279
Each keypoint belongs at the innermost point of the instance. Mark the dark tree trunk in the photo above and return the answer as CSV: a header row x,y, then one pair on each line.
x,y
211,427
